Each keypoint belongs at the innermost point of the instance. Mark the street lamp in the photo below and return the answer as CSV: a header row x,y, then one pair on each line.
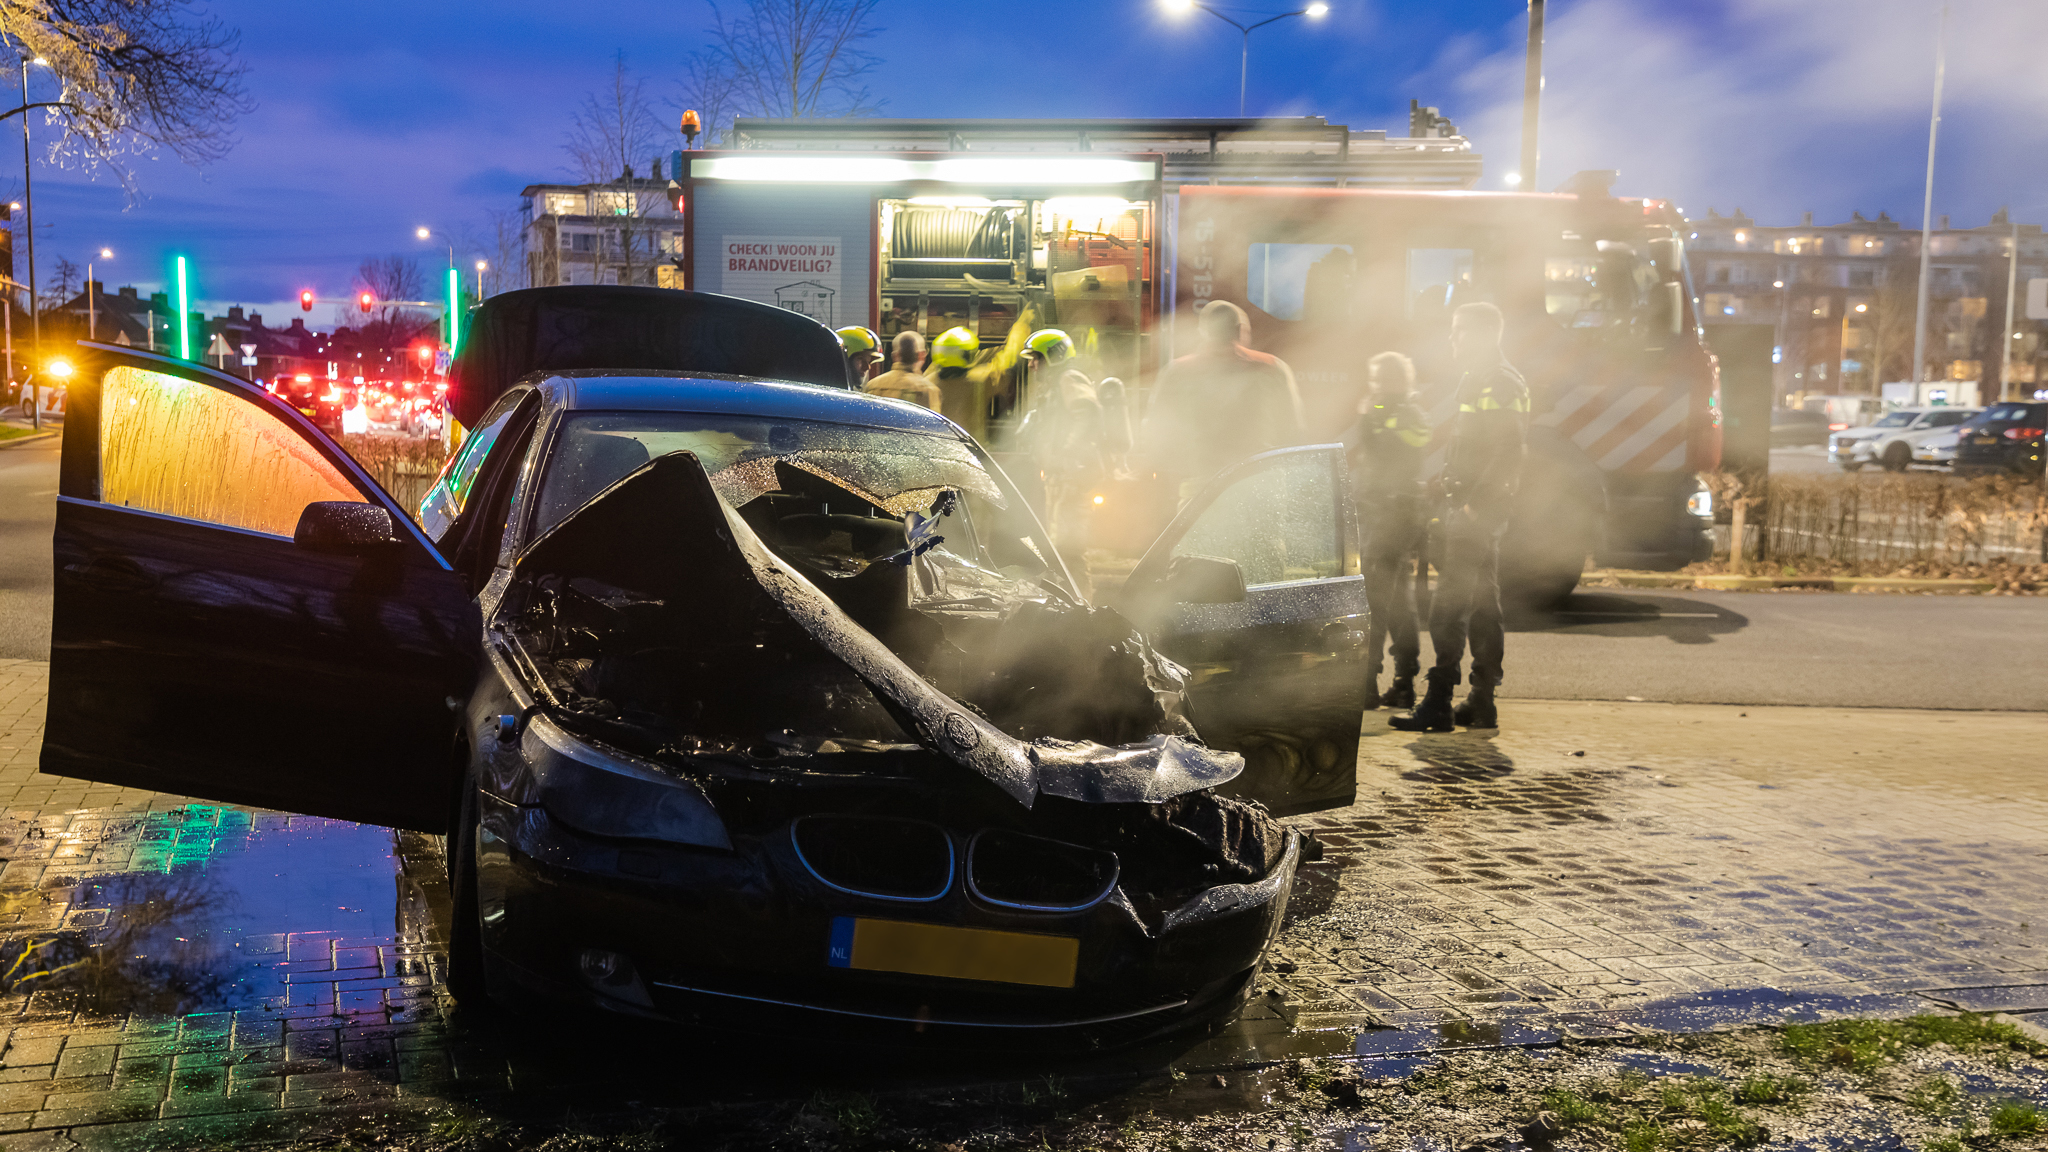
x,y
425,233
480,268
1315,11
35,314
92,311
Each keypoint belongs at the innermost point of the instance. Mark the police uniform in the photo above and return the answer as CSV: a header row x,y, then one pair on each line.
x,y
1387,448
1481,472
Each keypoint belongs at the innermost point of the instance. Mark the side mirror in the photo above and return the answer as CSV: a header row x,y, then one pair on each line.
x,y
1203,580
345,527
1667,311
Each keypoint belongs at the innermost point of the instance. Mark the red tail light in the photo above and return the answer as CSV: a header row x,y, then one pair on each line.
x,y
1836,427
2023,433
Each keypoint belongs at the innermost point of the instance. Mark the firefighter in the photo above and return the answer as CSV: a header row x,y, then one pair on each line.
x,y
1387,447
1481,472
969,377
903,381
863,351
1220,404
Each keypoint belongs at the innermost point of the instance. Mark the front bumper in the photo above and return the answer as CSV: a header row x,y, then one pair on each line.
x,y
740,938
1850,452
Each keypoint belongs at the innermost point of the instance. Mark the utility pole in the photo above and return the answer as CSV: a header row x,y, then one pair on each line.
x,y
28,200
2012,282
1927,204
1532,96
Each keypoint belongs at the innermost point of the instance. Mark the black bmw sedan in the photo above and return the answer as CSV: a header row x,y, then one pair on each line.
x,y
732,694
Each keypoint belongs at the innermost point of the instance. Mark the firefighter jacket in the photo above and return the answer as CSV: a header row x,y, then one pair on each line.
x,y
900,383
1489,438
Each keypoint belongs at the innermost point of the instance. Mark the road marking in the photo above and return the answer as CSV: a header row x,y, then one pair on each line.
x,y
1650,615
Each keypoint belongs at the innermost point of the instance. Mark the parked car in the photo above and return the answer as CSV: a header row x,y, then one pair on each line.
x,y
1936,451
2004,437
1890,441
735,697
1797,427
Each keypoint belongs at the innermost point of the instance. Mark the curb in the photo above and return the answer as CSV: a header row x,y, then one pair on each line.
x,y
37,438
1816,583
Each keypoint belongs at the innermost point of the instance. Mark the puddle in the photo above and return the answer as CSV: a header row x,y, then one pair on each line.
x,y
1739,1007
199,920
1447,1035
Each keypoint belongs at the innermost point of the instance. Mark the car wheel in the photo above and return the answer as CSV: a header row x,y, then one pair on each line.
x,y
1897,457
465,931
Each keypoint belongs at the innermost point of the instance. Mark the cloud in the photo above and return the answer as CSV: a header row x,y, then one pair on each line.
x,y
1745,103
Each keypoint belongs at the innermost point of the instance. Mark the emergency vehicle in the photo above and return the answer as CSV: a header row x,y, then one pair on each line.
x,y
1338,243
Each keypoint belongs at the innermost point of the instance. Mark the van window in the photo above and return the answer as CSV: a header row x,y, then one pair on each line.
x,y
1300,281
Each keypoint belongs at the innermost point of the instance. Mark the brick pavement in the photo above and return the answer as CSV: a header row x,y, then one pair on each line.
x,y
1586,871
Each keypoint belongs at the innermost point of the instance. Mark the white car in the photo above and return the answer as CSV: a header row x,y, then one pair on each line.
x,y
1891,441
1937,451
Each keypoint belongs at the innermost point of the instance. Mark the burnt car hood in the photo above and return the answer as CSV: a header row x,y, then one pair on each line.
x,y
664,531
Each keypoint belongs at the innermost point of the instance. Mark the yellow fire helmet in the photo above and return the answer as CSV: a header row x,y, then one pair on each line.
x,y
1052,344
955,348
856,339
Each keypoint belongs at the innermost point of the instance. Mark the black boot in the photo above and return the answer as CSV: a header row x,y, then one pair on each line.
x,y
1476,709
1433,714
1400,694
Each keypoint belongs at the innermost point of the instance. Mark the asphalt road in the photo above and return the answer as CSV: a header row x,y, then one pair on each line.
x,y
28,509
1833,649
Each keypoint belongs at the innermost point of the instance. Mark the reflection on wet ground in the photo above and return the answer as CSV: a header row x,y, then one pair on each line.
x,y
188,911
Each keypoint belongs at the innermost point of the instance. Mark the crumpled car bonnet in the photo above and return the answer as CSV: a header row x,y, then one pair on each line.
x,y
663,530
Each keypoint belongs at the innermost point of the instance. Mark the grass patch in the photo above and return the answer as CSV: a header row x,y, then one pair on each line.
x,y
1944,1143
1768,1089
1572,1108
10,432
1936,1097
2017,1118
1642,1136
1862,1045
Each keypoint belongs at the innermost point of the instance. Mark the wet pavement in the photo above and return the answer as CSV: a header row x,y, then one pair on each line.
x,y
174,971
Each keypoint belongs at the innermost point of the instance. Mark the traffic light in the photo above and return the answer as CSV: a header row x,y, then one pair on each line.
x,y
365,301
306,300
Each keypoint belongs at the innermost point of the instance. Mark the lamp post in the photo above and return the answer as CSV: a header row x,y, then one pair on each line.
x,y
92,308
481,266
35,315
1314,11
426,233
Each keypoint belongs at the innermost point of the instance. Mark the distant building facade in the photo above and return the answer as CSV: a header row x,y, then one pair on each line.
x,y
1841,298
623,232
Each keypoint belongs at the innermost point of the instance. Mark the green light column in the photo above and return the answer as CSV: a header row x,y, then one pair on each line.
x,y
184,316
454,307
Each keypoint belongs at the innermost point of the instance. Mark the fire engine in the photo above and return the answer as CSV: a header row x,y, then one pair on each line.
x,y
1338,243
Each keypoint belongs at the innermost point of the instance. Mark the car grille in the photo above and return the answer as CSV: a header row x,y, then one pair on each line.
x,y
1016,870
880,856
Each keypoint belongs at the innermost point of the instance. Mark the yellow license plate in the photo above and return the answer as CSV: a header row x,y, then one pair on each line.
x,y
956,953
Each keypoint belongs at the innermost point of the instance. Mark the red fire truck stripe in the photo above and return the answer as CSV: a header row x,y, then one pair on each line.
x,y
1631,451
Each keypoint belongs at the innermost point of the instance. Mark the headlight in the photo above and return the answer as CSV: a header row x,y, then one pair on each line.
x,y
1701,503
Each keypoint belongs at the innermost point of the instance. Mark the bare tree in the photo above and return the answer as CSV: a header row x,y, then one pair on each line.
x,y
64,283
611,131
710,87
133,75
501,242
785,58
391,278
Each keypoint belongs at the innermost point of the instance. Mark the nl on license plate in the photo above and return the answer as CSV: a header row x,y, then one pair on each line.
x,y
959,953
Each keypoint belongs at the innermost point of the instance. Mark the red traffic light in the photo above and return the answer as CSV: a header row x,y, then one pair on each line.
x,y
365,301
306,300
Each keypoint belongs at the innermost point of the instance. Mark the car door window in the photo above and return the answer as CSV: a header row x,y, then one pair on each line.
x,y
450,494
1947,419
1278,523
182,448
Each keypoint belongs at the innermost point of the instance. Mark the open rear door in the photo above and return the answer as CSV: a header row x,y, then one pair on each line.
x,y
197,649
1279,675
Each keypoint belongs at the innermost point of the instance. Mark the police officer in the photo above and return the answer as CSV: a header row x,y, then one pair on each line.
x,y
1481,471
863,351
1387,447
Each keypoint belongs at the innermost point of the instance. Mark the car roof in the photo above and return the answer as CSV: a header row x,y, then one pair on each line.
x,y
640,391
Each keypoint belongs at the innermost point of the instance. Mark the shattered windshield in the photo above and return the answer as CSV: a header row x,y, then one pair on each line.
x,y
836,499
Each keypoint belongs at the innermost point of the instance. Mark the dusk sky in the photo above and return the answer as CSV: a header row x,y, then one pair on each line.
x,y
377,117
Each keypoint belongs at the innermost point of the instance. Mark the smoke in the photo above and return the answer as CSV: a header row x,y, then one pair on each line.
x,y
1776,105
